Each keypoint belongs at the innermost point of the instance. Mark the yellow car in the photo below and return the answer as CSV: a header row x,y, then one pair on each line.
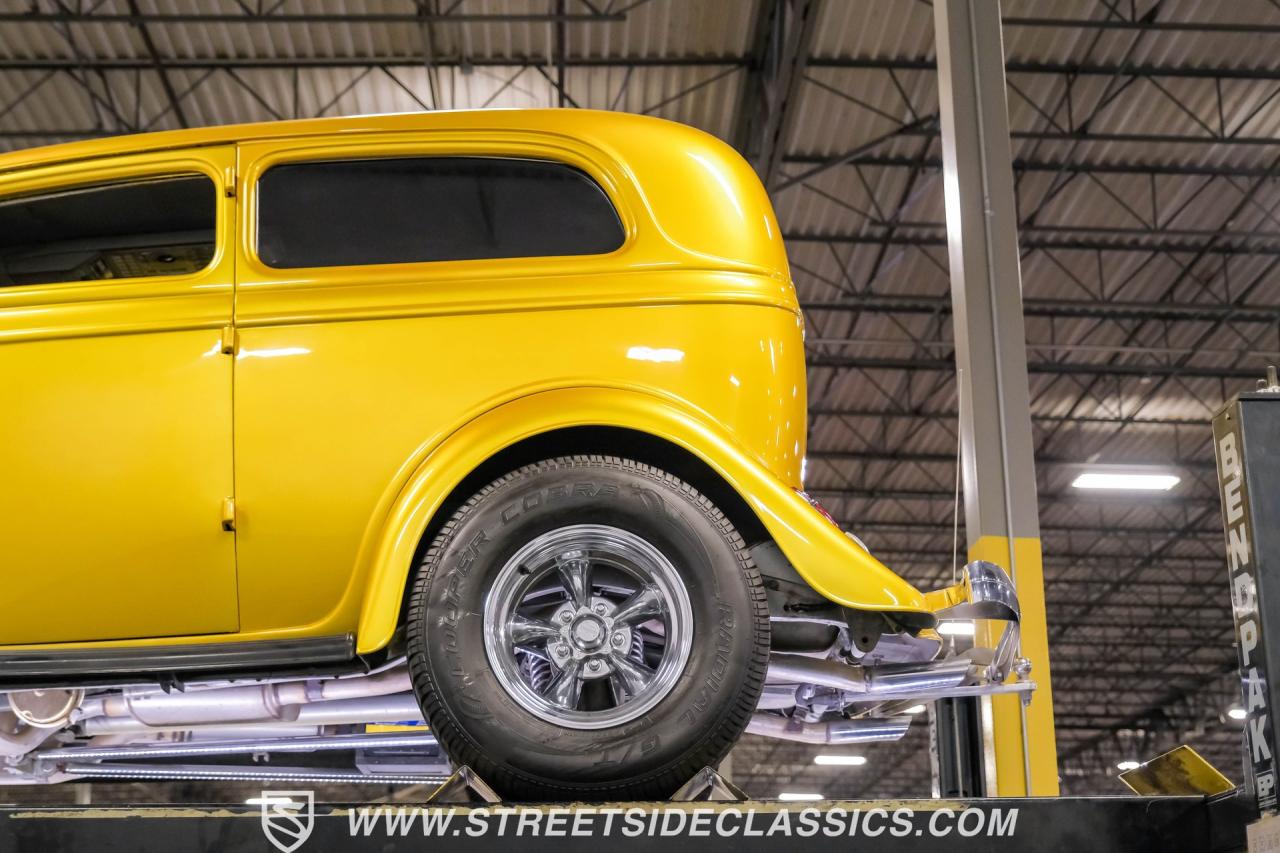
x,y
491,419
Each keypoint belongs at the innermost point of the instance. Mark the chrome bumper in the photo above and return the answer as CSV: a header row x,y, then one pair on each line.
x,y
984,592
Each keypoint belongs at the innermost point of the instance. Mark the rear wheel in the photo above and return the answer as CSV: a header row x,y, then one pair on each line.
x,y
587,627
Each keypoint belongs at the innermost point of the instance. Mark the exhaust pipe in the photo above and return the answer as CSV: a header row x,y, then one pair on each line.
x,y
777,697
832,733
893,679
402,707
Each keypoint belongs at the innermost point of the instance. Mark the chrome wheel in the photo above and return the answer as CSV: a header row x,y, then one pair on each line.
x,y
588,626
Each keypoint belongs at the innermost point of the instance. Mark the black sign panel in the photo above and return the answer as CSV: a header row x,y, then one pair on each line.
x,y
1042,825
1246,439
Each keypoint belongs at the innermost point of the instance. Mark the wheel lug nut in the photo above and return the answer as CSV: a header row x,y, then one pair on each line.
x,y
619,639
566,617
599,608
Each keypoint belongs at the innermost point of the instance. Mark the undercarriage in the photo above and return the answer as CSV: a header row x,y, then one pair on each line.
x,y
833,678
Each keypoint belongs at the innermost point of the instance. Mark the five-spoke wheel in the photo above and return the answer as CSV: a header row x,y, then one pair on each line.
x,y
588,625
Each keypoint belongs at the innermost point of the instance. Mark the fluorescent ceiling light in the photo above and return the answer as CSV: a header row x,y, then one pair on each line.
x,y
841,760
1237,713
1126,481
956,629
1128,764
795,796
914,709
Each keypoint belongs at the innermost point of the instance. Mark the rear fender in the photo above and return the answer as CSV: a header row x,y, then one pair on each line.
x,y
829,561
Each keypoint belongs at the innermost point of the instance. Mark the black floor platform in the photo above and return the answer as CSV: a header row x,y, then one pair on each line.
x,y
1074,825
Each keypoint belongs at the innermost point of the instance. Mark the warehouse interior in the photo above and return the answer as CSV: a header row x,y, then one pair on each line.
x,y
1145,163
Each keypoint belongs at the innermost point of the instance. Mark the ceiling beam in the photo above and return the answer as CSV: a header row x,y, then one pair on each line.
x,y
771,96
941,304
901,456
157,62
1081,165
1074,69
821,411
1044,368
1118,231
1145,24
1045,241
746,114
875,63
1060,559
126,63
347,19
1076,496
860,524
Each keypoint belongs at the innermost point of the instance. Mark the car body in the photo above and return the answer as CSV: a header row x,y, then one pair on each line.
x,y
234,466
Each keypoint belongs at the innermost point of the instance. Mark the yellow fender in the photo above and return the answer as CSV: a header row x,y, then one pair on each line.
x,y
832,563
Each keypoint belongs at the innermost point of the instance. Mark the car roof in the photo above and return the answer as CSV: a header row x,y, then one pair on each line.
x,y
574,122
702,194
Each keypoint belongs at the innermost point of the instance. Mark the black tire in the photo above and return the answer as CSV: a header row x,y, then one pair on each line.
x,y
524,757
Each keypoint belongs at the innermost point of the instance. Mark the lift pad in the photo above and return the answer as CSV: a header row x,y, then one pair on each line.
x,y
1180,771
291,820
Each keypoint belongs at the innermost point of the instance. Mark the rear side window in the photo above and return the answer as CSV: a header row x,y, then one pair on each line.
x,y
415,210
130,229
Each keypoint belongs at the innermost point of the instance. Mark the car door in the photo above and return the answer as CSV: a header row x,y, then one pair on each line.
x,y
116,290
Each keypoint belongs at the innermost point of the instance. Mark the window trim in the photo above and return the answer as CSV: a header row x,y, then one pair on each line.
x,y
47,180
511,145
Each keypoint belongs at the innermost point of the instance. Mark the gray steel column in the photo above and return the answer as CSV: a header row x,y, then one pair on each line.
x,y
998,473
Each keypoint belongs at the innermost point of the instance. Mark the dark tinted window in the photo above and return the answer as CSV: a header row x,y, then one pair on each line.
x,y
140,228
430,209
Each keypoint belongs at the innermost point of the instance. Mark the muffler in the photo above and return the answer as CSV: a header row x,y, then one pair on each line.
x,y
140,709
401,707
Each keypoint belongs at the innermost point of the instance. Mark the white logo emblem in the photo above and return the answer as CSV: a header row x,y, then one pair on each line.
x,y
287,818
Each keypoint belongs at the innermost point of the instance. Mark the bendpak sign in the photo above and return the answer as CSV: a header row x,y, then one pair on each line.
x,y
1246,440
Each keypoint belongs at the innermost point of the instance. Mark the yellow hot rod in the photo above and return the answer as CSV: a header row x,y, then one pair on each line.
x,y
493,419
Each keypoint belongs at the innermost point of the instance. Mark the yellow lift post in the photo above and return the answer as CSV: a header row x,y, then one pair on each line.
x,y
998,473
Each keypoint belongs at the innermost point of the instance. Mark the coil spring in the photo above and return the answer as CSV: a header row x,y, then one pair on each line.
x,y
637,648
536,670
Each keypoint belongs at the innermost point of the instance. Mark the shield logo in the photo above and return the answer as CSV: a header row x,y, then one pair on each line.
x,y
287,818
